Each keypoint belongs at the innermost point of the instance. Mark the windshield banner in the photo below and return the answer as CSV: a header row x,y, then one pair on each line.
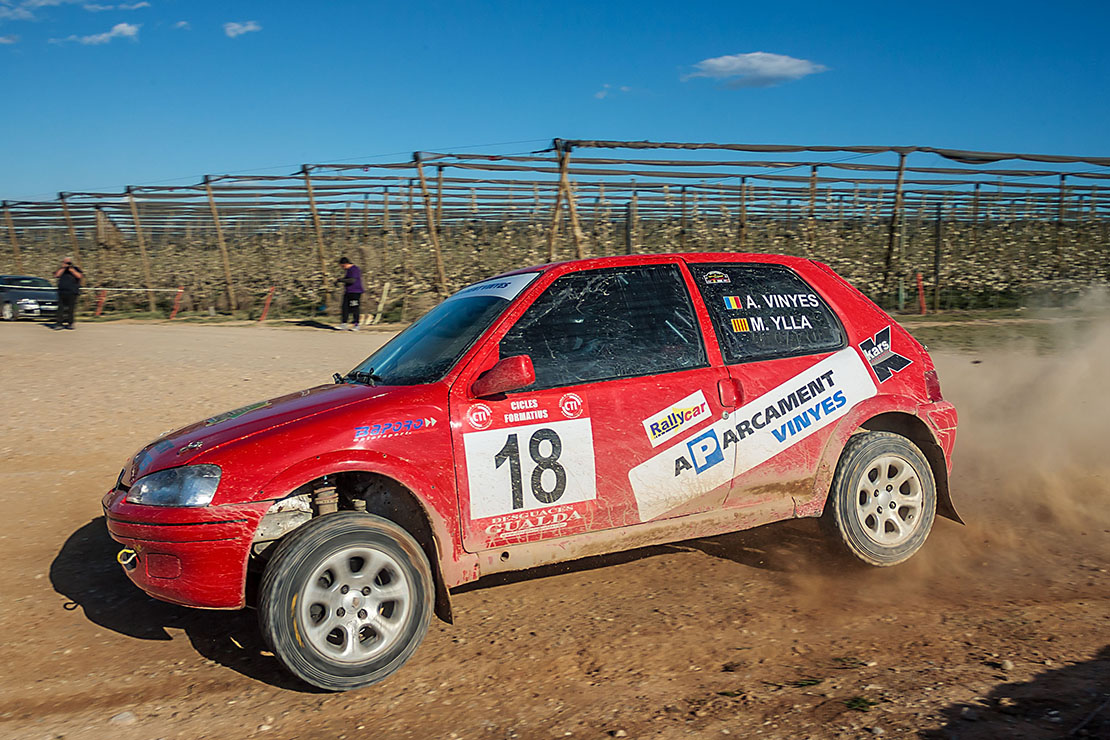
x,y
508,287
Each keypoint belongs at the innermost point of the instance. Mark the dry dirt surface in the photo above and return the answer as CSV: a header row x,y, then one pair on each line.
x,y
996,629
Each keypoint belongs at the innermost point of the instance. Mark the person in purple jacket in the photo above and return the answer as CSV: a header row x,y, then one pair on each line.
x,y
352,294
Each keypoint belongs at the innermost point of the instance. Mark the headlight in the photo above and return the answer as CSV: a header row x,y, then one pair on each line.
x,y
191,485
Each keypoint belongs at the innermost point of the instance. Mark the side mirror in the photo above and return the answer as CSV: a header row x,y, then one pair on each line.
x,y
507,375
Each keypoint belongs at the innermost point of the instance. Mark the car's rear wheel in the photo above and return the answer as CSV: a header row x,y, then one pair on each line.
x,y
7,312
345,600
883,499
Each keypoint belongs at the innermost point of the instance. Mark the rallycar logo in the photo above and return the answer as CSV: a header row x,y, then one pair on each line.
x,y
671,421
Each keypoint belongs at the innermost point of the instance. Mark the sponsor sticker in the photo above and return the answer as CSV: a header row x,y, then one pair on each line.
x,y
676,418
571,405
716,277
479,416
752,434
392,428
882,358
542,521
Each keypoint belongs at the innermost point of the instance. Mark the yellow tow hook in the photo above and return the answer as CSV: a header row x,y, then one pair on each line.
x,y
128,558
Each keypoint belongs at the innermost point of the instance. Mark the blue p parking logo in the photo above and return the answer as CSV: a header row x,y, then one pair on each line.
x,y
705,451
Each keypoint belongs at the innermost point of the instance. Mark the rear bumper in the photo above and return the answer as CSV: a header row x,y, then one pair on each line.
x,y
189,556
942,418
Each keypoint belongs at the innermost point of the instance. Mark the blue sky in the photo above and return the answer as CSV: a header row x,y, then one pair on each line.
x,y
99,95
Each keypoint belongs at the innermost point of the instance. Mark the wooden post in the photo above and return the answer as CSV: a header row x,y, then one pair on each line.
x,y
812,218
568,193
385,226
975,217
73,244
1061,212
142,249
325,282
231,302
682,223
936,259
630,241
556,212
11,235
895,218
439,197
430,215
742,227
381,304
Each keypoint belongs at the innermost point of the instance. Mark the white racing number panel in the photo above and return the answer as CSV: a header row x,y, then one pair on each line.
x,y
527,454
752,434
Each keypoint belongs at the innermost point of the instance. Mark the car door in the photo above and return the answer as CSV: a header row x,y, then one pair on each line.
x,y
621,374
787,352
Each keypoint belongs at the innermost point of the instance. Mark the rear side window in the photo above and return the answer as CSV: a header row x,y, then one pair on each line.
x,y
762,312
605,324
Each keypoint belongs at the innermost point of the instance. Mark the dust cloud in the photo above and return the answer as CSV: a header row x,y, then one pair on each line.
x,y
1031,479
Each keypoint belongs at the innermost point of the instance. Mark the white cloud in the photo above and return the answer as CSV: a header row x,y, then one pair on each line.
x,y
755,69
119,31
9,39
183,25
15,13
607,90
238,29
94,8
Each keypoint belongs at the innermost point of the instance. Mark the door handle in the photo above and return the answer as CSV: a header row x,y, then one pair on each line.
x,y
730,393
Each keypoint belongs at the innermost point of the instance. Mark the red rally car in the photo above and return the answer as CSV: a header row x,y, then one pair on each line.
x,y
543,415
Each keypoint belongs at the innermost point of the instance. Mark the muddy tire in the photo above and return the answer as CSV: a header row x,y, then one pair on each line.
x,y
7,312
345,600
883,499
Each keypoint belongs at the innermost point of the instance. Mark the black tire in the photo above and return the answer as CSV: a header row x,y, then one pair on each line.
x,y
358,573
883,499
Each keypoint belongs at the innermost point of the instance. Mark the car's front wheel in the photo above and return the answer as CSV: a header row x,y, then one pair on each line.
x,y
345,600
883,498
7,312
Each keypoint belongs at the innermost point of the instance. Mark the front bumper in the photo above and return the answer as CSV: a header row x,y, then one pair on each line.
x,y
189,556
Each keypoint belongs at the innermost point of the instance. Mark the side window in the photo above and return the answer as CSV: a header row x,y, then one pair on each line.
x,y
612,323
765,311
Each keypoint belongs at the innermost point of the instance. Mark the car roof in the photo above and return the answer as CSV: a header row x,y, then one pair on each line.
x,y
647,259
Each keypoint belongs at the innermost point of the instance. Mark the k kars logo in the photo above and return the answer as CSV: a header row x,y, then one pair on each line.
x,y
479,416
883,360
571,405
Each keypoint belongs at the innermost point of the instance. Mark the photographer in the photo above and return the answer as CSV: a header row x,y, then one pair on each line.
x,y
69,278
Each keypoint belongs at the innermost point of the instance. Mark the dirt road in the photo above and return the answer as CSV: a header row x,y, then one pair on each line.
x,y
996,629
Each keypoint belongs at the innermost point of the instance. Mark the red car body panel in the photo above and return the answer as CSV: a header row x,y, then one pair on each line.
x,y
644,460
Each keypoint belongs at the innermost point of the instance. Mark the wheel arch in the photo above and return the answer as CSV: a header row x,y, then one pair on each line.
x,y
917,431
896,414
394,497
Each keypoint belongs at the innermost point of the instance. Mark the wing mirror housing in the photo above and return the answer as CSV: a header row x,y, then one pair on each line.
x,y
509,374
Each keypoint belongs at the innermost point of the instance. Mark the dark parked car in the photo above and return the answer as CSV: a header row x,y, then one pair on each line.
x,y
25,296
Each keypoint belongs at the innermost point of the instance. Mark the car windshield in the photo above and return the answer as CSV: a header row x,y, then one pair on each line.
x,y
18,281
425,351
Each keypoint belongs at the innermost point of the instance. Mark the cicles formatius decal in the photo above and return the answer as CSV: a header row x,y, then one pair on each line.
x,y
514,468
752,434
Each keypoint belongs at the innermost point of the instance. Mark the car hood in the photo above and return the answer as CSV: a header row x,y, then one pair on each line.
x,y
183,445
